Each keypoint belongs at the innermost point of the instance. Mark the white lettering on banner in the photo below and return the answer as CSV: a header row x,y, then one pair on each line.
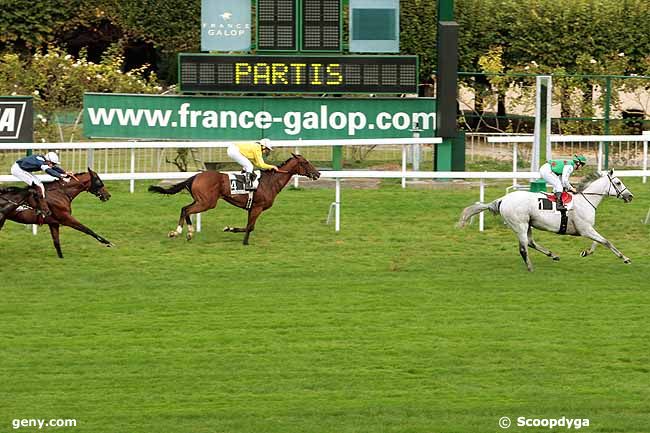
x,y
227,30
263,120
8,120
11,118
210,119
294,122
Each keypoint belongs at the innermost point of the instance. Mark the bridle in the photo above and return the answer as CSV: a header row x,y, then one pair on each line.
x,y
619,192
91,187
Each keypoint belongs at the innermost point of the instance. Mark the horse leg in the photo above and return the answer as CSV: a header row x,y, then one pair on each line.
x,y
538,247
70,221
590,251
592,234
195,208
253,214
181,220
2,221
54,232
522,235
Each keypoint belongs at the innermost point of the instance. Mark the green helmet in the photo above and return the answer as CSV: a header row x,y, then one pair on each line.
x,y
580,159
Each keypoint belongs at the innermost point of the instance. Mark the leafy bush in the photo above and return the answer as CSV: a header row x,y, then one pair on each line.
x,y
57,82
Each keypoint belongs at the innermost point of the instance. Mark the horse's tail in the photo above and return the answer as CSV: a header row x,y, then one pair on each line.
x,y
174,189
472,210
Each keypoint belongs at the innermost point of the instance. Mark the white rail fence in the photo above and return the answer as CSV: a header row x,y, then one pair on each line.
x,y
335,207
625,151
597,140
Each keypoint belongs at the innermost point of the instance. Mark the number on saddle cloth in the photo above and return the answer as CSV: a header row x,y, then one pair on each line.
x,y
238,182
548,202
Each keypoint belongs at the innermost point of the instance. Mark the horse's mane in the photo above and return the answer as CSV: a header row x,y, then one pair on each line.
x,y
587,180
290,158
55,182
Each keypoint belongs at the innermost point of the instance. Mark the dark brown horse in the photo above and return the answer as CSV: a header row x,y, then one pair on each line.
x,y
207,187
59,199
12,198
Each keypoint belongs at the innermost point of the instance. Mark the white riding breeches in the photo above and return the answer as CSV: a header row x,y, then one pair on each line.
x,y
26,177
551,178
234,153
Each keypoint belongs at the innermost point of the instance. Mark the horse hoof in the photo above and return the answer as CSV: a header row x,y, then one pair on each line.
x,y
110,245
556,258
583,254
189,237
172,234
227,229
627,261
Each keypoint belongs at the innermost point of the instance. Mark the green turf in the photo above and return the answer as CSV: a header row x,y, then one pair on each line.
x,y
399,323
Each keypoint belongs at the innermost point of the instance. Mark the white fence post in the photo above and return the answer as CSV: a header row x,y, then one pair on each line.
x,y
90,160
337,206
132,180
295,178
600,156
514,163
404,165
646,138
481,198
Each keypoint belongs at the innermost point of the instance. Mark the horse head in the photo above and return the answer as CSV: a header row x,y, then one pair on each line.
x,y
303,167
97,187
617,188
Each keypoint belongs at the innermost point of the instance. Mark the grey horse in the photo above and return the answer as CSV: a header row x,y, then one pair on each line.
x,y
520,210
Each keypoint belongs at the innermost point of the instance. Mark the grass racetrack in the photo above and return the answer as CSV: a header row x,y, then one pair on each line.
x,y
400,323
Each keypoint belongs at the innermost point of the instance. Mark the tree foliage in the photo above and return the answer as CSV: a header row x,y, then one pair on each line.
x,y
550,32
532,36
57,82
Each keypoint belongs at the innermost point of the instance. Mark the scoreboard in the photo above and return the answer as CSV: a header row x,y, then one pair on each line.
x,y
321,25
206,73
318,29
276,25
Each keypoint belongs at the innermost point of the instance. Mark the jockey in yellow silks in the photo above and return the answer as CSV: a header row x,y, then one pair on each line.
x,y
250,155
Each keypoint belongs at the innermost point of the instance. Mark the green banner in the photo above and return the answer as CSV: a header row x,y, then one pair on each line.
x,y
249,118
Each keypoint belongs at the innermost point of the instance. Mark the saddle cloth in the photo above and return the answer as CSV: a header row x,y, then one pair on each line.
x,y
548,202
237,182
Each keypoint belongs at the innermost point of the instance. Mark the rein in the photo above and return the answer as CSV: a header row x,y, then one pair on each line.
x,y
619,193
65,190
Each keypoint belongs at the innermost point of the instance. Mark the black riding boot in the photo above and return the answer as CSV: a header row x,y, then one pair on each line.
x,y
250,178
559,205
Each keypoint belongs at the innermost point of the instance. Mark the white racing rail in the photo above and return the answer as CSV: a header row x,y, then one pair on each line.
x,y
600,139
335,207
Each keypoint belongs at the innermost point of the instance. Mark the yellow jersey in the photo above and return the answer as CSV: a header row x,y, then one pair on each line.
x,y
253,151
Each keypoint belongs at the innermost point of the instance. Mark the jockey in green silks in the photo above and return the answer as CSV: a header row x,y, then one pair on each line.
x,y
557,172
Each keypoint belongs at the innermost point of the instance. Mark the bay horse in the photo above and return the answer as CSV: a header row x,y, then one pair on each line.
x,y
59,199
520,211
11,198
208,186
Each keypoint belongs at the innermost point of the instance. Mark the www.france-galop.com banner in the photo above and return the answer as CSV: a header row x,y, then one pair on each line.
x,y
247,118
